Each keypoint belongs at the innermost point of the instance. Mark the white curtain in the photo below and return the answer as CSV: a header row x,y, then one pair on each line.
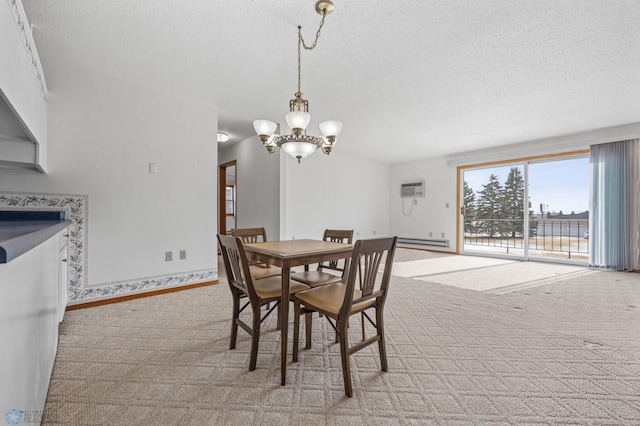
x,y
614,240
634,205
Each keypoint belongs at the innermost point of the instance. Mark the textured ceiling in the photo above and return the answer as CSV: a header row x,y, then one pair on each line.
x,y
410,79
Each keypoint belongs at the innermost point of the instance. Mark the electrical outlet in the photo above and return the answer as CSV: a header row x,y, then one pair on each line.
x,y
442,235
431,234
183,254
446,205
168,256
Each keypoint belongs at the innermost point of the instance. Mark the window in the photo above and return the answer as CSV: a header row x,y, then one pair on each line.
x,y
230,200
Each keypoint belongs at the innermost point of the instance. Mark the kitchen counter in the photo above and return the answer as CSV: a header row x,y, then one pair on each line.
x,y
22,231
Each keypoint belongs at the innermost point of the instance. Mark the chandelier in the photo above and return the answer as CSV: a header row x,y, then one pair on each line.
x,y
298,144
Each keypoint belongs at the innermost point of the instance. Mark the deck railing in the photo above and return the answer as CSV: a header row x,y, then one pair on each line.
x,y
568,236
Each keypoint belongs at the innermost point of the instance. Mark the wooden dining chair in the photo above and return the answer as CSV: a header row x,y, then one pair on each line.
x,y
320,276
363,290
259,270
258,292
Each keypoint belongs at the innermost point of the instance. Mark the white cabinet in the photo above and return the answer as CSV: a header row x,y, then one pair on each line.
x,y
23,93
30,301
63,274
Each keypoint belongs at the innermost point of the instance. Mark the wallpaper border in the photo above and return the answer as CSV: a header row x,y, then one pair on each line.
x,y
76,208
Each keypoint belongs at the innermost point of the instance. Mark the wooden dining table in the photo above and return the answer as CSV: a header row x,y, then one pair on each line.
x,y
287,254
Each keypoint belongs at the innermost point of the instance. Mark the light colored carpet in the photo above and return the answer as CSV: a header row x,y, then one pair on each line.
x,y
565,352
445,264
511,274
480,273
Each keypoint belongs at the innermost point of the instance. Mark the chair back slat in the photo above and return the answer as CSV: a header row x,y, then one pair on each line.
x,y
369,272
236,265
249,236
336,236
366,259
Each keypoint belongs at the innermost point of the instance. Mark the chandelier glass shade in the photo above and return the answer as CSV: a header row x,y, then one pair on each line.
x,y
298,144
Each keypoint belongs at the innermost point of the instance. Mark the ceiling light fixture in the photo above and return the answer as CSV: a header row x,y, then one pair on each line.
x,y
223,137
298,144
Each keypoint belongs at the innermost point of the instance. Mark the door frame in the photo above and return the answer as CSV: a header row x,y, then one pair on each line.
x,y
222,189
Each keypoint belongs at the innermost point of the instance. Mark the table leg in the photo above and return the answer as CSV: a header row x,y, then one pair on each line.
x,y
286,274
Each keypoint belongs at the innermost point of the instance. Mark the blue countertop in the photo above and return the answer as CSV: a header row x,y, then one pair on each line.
x,y
21,233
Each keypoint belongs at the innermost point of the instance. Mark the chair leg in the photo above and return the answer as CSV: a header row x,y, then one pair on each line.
x,y
308,326
337,339
279,315
234,324
343,330
362,322
381,345
296,329
255,339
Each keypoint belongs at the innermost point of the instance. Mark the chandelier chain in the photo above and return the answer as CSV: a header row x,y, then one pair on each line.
x,y
301,43
315,42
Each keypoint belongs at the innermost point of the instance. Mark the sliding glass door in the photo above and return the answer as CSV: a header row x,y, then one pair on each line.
x,y
531,209
559,194
494,211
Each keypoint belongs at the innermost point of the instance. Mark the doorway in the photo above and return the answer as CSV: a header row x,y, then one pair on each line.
x,y
227,203
529,209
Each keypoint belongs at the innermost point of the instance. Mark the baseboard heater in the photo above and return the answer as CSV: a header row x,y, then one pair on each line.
x,y
423,242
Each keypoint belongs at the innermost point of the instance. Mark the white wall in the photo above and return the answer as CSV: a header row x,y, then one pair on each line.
x,y
339,191
258,187
431,214
103,133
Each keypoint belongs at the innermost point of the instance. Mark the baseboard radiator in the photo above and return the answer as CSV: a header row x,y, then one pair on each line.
x,y
424,243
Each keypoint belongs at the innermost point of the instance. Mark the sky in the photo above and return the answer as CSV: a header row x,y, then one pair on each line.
x,y
559,184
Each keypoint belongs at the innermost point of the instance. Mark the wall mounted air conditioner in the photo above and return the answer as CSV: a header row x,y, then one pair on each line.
x,y
412,189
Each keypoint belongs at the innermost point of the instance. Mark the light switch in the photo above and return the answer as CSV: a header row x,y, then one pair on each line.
x,y
153,167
